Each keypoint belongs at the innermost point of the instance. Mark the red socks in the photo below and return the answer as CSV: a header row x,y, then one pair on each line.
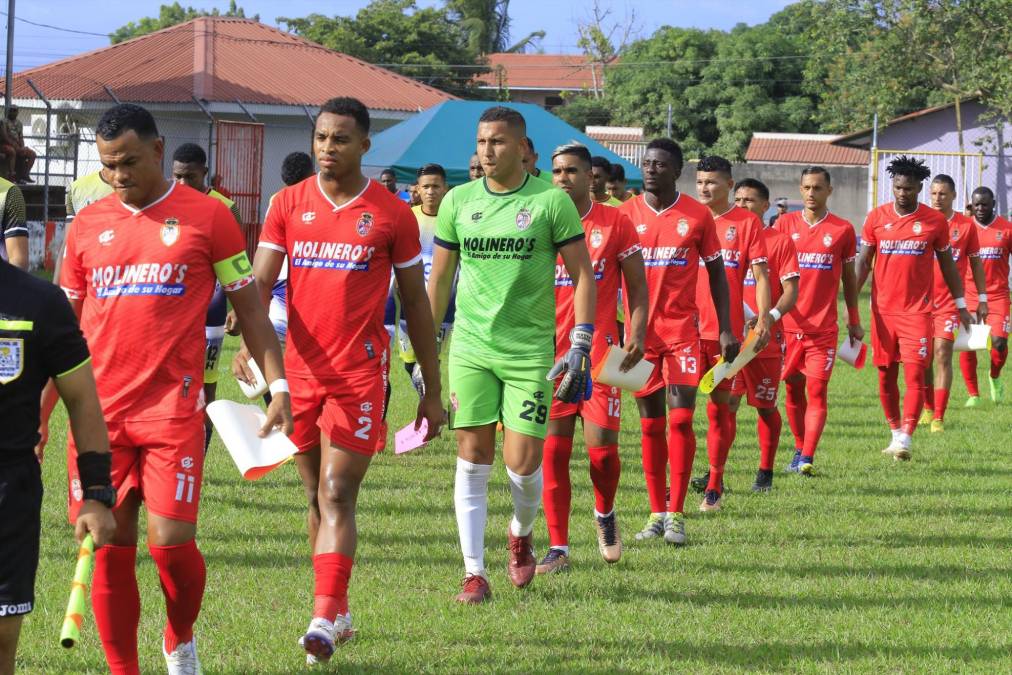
x,y
997,362
941,402
557,491
655,461
332,572
889,393
116,603
681,452
815,418
768,427
718,441
968,366
913,398
795,405
605,469
182,572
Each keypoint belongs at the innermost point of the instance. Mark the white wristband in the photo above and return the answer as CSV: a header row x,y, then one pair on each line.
x,y
960,303
775,313
278,386
982,297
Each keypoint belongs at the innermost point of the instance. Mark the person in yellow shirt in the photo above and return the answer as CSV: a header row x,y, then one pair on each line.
x,y
600,175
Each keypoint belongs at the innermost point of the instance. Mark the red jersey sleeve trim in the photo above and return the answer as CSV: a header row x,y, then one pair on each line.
x,y
790,275
945,248
635,248
758,261
72,293
711,258
850,259
273,247
409,263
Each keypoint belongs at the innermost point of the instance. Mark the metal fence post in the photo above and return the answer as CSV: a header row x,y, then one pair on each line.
x,y
49,134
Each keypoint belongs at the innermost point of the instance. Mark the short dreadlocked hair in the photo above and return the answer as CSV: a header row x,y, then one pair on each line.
x,y
909,166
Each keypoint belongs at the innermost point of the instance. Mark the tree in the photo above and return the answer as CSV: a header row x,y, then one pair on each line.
x,y
421,43
487,24
171,15
598,41
583,110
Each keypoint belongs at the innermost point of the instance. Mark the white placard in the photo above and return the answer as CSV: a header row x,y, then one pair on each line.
x,y
238,424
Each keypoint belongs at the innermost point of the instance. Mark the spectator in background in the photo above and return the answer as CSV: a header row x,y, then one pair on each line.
x,y
13,228
600,175
781,204
12,143
474,170
388,178
295,168
530,160
616,183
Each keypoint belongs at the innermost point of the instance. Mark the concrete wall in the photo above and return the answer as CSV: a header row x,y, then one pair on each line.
x,y
850,186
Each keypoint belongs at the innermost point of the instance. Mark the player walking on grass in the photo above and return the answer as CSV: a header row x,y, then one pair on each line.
x,y
615,257
945,315
994,234
827,248
140,267
743,249
897,244
676,232
505,232
762,375
342,233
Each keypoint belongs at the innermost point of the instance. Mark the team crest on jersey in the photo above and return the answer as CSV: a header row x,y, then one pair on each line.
x,y
641,228
170,231
827,240
955,233
596,238
364,224
683,227
997,235
523,219
731,233
12,359
917,227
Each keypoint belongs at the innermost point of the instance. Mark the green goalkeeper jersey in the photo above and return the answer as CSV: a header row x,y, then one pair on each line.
x,y
508,244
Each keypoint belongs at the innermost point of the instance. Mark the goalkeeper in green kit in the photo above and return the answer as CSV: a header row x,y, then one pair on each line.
x,y
506,231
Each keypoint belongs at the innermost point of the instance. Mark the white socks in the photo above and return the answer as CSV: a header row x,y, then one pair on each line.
x,y
470,500
526,491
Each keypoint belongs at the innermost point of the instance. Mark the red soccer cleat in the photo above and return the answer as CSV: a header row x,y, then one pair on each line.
x,y
521,565
475,591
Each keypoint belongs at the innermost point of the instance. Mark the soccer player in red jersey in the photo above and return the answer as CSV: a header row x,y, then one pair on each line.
x,y
140,266
342,234
897,244
827,248
944,315
762,375
676,232
743,249
994,235
615,256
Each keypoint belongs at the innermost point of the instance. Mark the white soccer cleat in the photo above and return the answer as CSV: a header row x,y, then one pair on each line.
x,y
183,659
899,448
322,637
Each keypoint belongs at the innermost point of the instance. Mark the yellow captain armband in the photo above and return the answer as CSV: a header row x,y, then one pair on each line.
x,y
235,272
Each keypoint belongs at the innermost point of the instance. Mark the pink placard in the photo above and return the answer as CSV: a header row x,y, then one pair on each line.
x,y
407,439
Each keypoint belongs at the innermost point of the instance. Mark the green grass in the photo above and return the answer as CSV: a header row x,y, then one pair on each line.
x,y
871,566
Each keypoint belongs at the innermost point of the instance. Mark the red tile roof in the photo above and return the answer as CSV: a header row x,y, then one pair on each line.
x,y
616,134
802,149
224,59
540,71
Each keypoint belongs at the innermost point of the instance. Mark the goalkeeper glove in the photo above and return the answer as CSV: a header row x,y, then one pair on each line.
x,y
576,384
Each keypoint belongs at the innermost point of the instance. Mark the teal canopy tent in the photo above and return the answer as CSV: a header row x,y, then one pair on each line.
x,y
445,134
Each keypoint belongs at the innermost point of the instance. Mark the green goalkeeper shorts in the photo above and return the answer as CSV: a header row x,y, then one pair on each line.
x,y
484,390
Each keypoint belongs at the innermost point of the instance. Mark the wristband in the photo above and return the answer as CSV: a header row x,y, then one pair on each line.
x,y
582,336
982,297
775,313
278,386
853,316
960,302
93,469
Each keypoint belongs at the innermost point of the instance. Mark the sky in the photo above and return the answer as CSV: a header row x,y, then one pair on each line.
x,y
36,45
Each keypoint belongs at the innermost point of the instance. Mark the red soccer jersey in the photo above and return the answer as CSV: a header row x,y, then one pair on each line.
x,y
823,248
963,240
611,238
673,240
995,247
904,257
340,260
739,232
145,278
782,264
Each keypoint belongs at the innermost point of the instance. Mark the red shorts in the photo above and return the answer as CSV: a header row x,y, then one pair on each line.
x,y
810,354
162,459
710,350
997,316
603,409
679,364
348,410
900,337
761,379
944,324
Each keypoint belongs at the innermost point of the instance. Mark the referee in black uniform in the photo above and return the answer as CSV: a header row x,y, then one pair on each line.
x,y
39,340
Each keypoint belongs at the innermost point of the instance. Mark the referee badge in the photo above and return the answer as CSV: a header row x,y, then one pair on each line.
x,y
12,359
523,219
683,227
170,231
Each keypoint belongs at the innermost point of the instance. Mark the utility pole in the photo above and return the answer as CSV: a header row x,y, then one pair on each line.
x,y
668,127
9,76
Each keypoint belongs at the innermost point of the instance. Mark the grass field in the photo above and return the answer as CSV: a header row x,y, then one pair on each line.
x,y
871,566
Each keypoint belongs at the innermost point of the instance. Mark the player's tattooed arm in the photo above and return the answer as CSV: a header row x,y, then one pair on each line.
x,y
576,258
266,267
729,344
444,269
980,282
851,291
421,331
954,282
634,275
763,300
865,260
